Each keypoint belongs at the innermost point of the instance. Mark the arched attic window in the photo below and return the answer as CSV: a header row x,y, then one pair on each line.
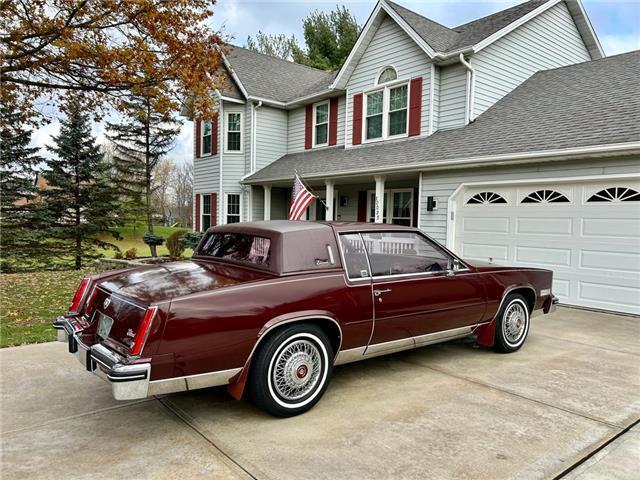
x,y
389,74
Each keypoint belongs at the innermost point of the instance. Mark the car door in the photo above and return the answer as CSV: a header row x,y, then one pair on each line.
x,y
415,291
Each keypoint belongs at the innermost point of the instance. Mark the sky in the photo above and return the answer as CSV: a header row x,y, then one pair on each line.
x,y
616,22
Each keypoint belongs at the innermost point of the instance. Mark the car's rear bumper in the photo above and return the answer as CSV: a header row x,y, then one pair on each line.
x,y
128,382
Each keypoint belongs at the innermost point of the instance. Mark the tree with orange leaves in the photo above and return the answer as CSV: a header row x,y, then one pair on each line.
x,y
106,49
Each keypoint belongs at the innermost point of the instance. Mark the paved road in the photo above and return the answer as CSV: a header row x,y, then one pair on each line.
x,y
566,403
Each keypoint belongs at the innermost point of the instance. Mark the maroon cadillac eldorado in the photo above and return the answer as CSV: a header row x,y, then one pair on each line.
x,y
268,308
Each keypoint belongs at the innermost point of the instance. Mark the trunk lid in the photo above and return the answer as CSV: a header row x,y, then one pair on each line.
x,y
119,303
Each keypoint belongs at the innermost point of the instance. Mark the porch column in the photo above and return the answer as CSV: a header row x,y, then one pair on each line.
x,y
379,205
267,202
329,199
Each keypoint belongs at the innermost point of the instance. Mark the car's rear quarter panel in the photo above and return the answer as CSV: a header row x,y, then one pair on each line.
x,y
218,330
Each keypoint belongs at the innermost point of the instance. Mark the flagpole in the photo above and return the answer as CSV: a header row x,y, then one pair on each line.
x,y
311,190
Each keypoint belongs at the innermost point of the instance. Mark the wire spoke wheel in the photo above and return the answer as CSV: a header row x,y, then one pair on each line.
x,y
296,370
514,324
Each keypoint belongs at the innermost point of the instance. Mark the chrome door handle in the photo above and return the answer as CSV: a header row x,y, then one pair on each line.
x,y
377,293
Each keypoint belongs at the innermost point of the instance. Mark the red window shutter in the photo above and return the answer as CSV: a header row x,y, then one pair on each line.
x,y
362,206
357,119
308,126
214,209
333,121
415,106
214,135
198,138
415,207
197,219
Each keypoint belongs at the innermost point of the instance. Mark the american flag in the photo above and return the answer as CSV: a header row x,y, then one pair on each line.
x,y
301,198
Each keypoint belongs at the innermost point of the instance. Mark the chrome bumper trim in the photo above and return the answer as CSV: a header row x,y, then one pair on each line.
x,y
131,382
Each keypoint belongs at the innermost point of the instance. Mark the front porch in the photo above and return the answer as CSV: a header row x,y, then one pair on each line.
x,y
390,199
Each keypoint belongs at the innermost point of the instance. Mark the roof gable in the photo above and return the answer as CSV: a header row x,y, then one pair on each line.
x,y
440,42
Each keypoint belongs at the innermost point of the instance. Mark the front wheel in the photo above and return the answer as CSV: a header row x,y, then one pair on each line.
x,y
292,370
512,325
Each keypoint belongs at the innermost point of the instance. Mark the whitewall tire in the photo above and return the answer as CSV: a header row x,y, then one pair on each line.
x,y
512,325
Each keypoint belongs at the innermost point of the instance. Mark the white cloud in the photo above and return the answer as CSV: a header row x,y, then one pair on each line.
x,y
614,44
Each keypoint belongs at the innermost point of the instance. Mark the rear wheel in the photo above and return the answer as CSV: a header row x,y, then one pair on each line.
x,y
291,370
512,325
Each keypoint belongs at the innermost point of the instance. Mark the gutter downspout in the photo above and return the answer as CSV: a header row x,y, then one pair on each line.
x,y
254,156
471,89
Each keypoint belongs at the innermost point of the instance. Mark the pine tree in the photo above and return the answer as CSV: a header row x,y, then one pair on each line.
x,y
80,203
141,139
19,247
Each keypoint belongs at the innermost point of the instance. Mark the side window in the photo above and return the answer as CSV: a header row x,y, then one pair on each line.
x,y
355,256
399,253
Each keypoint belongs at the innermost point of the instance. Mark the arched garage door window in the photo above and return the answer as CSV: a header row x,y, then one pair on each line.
x,y
486,198
615,194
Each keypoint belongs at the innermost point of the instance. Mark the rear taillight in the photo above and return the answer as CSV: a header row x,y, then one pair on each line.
x,y
89,304
143,331
77,298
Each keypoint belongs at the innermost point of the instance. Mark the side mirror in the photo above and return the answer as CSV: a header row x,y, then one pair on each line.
x,y
453,266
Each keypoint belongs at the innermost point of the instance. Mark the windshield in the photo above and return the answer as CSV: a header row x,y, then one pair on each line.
x,y
238,247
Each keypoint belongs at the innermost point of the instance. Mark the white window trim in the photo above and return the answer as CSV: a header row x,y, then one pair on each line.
x,y
390,192
226,132
313,133
226,205
202,135
202,214
385,110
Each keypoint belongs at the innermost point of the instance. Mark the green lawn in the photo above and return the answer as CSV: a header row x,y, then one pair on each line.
x,y
29,302
132,238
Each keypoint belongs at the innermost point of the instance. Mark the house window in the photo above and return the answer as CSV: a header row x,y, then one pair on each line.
x,y
615,194
399,202
206,212
387,112
388,75
233,208
545,196
321,124
206,137
398,110
485,198
234,132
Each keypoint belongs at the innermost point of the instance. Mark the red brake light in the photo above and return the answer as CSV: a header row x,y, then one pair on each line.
x,y
143,331
77,298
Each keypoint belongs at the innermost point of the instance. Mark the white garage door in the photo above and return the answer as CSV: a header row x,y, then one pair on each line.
x,y
588,233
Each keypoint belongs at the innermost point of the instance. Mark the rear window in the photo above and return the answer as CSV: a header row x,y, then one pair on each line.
x,y
238,247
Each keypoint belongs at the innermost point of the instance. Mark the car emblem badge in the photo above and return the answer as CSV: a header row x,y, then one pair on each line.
x,y
130,333
107,302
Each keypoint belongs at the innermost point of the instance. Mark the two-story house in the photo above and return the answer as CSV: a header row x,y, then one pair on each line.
x,y
511,139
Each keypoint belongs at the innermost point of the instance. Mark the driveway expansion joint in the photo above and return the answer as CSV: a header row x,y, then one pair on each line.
x,y
183,417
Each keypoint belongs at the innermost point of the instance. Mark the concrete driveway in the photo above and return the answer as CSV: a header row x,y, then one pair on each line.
x,y
566,403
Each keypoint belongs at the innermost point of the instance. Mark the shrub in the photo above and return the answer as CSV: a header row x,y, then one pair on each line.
x,y
131,253
175,245
191,239
152,240
118,255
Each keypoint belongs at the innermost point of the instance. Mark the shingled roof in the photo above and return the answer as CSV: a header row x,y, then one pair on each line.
x,y
272,78
443,39
589,104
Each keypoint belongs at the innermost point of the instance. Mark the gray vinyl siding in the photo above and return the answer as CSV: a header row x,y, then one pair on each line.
x,y
206,170
550,40
342,104
441,185
452,96
295,125
271,135
390,46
